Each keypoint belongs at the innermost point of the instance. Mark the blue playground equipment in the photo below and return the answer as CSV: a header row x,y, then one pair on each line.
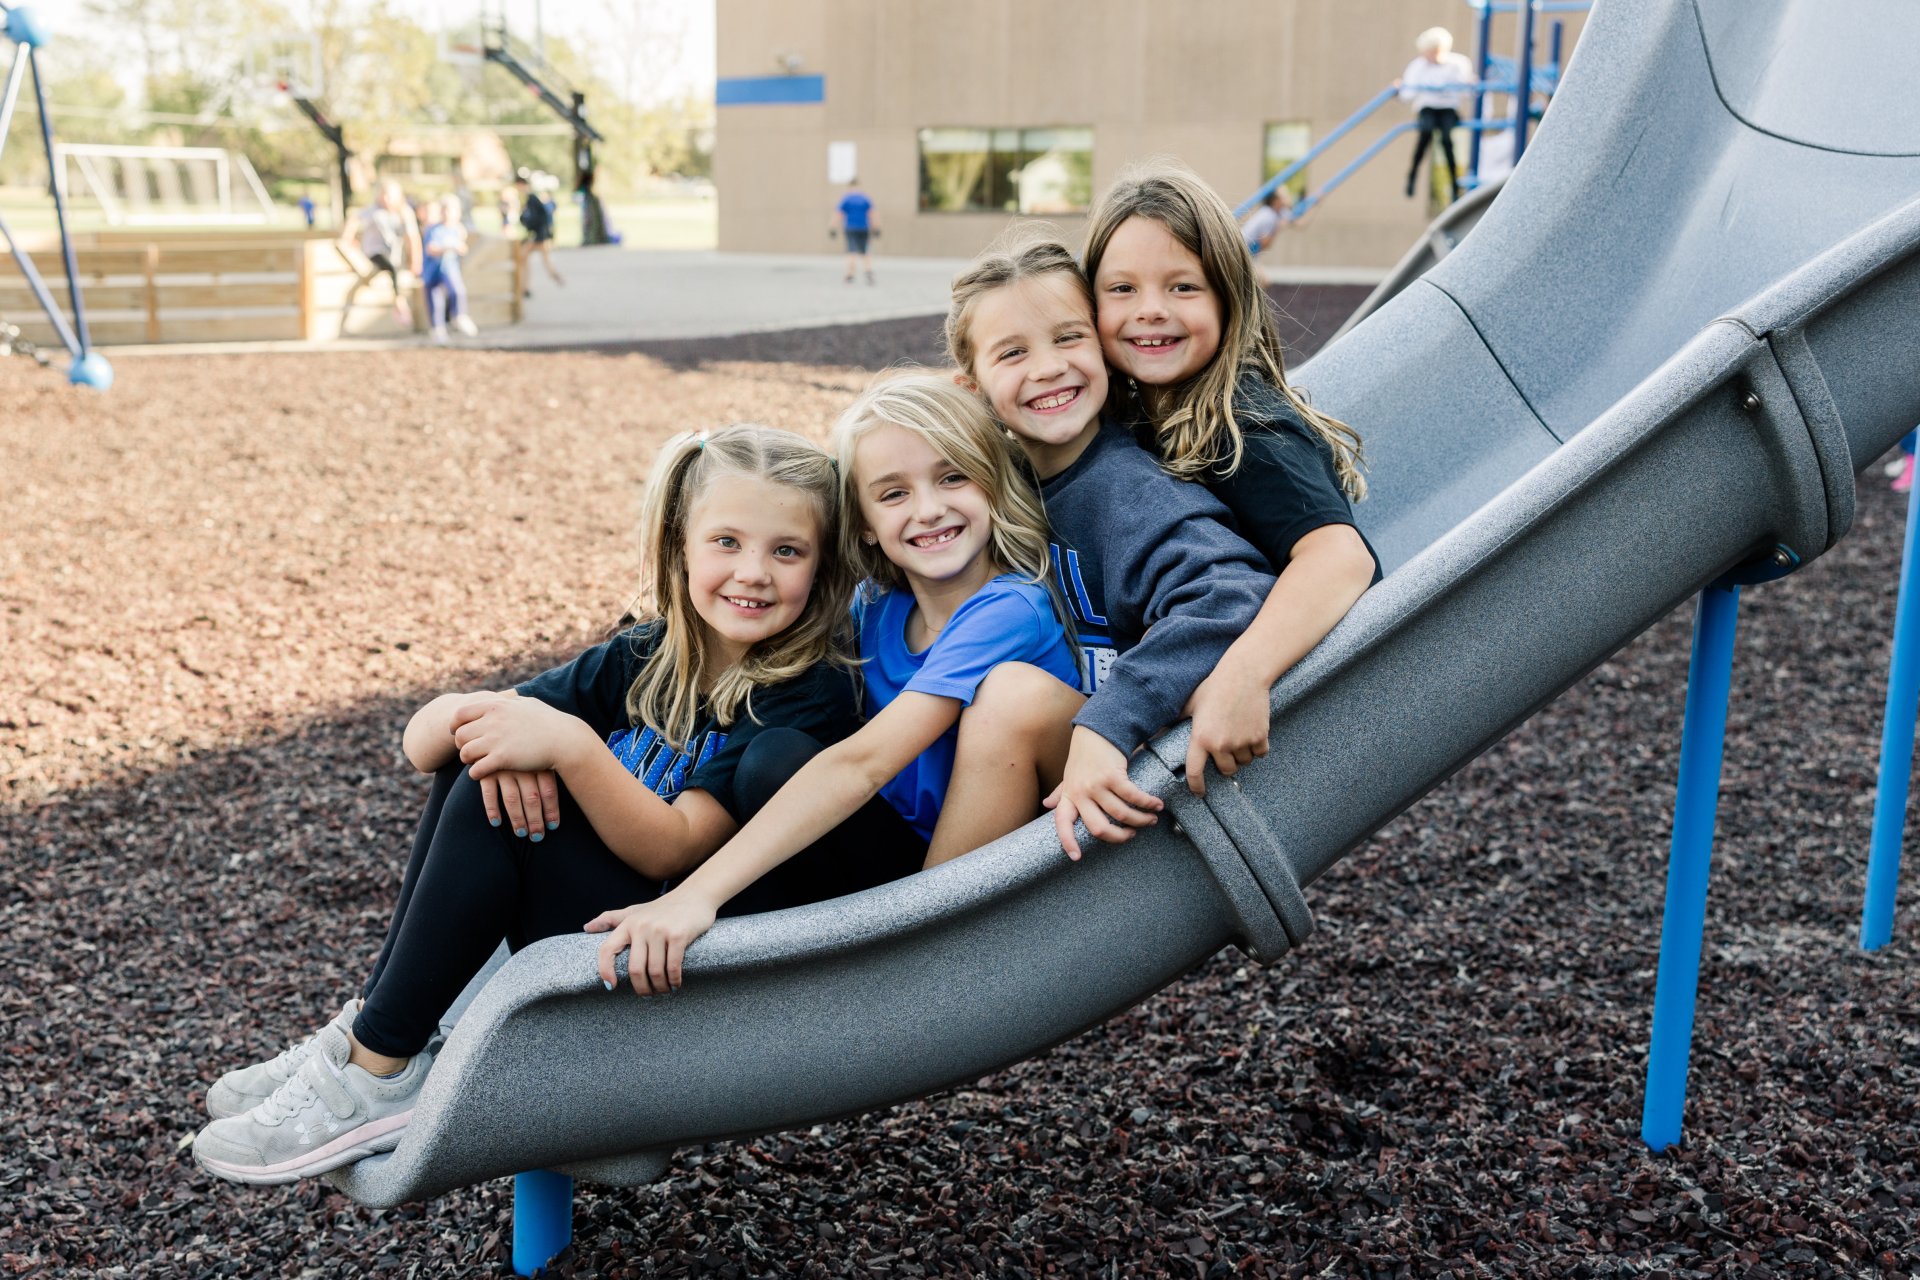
x,y
1652,371
89,368
1519,78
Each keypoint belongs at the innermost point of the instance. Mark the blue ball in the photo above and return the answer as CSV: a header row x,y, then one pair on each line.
x,y
23,27
91,370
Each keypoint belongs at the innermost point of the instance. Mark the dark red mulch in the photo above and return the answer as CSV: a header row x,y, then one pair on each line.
x,y
218,615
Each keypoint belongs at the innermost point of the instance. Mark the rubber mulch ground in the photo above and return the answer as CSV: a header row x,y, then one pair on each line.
x,y
227,583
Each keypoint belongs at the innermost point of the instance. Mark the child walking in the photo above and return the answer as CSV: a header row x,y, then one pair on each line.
x,y
1183,317
627,767
970,680
1158,584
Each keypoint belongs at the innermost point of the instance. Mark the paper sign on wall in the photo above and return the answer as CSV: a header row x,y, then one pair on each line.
x,y
841,163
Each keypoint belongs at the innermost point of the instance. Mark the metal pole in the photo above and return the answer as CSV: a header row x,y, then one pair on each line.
x,y
1482,59
1523,80
542,1219
12,93
1702,737
40,291
60,213
1896,747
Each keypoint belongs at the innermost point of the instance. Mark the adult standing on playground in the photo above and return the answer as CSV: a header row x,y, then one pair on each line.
x,y
387,235
858,225
1433,83
536,217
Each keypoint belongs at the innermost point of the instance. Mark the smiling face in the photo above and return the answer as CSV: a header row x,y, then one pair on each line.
x,y
922,512
1159,317
1038,363
752,549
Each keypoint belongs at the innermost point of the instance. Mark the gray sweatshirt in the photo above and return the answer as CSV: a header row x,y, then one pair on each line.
x,y
1156,581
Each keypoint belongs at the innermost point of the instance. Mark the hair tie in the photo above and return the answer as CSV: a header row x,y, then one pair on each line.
x,y
700,441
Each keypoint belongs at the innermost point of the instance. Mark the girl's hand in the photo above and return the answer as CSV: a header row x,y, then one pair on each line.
x,y
531,801
1230,724
1095,788
515,733
657,935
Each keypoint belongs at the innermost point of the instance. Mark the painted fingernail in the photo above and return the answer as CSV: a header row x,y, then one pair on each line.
x,y
553,824
606,984
520,831
537,836
494,821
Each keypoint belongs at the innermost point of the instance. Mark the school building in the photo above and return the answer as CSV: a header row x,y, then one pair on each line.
x,y
958,115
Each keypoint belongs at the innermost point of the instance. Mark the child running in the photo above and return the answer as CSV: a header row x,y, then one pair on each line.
x,y
1182,315
969,676
628,766
1158,584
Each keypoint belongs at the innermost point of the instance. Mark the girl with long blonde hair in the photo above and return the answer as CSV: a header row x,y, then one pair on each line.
x,y
970,685
613,775
1184,321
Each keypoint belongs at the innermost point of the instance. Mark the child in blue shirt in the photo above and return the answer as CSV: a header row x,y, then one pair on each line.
x,y
857,224
970,679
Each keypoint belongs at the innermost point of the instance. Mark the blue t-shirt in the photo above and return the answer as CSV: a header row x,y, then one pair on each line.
x,y
437,265
854,207
1007,620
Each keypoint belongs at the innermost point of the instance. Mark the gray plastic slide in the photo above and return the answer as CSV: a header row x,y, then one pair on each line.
x,y
1686,323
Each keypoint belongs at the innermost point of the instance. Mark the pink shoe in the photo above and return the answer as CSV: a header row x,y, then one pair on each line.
x,y
1904,481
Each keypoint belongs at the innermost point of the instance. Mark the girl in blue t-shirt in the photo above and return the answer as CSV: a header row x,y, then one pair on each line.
x,y
970,679
613,774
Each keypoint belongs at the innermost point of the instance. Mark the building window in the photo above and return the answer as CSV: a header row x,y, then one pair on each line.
x,y
1286,142
1039,171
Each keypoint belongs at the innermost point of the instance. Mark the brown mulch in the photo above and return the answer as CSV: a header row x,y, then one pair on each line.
x,y
224,586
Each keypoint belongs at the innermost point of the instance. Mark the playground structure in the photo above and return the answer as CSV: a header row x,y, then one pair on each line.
x,y
1659,376
88,367
165,186
1526,84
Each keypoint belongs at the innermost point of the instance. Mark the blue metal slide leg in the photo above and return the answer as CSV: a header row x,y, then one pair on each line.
x,y
542,1219
1709,680
1896,748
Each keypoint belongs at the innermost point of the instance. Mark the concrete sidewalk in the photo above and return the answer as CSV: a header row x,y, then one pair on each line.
x,y
612,296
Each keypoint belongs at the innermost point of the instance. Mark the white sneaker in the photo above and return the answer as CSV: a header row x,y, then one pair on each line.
x,y
330,1113
439,335
239,1092
465,324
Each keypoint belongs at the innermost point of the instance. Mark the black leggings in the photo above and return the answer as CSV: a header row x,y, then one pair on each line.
x,y
381,262
476,884
1436,123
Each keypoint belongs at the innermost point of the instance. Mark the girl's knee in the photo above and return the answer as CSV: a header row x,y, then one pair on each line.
x,y
1018,696
768,763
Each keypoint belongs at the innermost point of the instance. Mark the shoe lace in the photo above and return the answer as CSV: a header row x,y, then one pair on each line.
x,y
290,1099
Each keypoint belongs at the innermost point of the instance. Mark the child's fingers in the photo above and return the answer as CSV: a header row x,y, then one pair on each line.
x,y
516,816
605,920
550,795
1053,797
676,962
646,958
490,799
1113,820
1196,766
1227,761
536,816
610,950
1063,819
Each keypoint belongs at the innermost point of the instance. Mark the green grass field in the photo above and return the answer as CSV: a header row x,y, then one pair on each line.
x,y
679,222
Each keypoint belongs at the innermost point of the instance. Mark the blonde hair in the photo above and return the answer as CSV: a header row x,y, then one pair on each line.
x,y
1434,40
666,696
1194,422
1006,263
958,426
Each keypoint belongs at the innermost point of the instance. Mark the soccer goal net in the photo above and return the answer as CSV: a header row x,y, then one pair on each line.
x,y
160,186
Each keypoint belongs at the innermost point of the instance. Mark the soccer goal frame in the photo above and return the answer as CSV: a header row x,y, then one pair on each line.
x,y
134,207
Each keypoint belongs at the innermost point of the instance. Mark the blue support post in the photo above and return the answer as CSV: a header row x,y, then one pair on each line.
x,y
1702,737
1896,748
60,210
1483,53
542,1219
1523,81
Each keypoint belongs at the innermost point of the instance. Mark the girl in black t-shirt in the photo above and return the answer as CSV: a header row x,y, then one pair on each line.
x,y
1182,315
668,738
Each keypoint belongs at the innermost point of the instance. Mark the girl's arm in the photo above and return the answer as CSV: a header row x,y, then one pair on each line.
x,y
657,838
1330,568
826,792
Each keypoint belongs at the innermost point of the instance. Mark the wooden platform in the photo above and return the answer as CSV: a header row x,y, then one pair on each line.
x,y
143,287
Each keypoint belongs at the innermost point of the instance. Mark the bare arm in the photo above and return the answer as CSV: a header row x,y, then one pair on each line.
x,y
656,838
830,789
1329,570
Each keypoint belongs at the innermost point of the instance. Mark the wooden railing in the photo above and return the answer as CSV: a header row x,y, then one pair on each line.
x,y
141,288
